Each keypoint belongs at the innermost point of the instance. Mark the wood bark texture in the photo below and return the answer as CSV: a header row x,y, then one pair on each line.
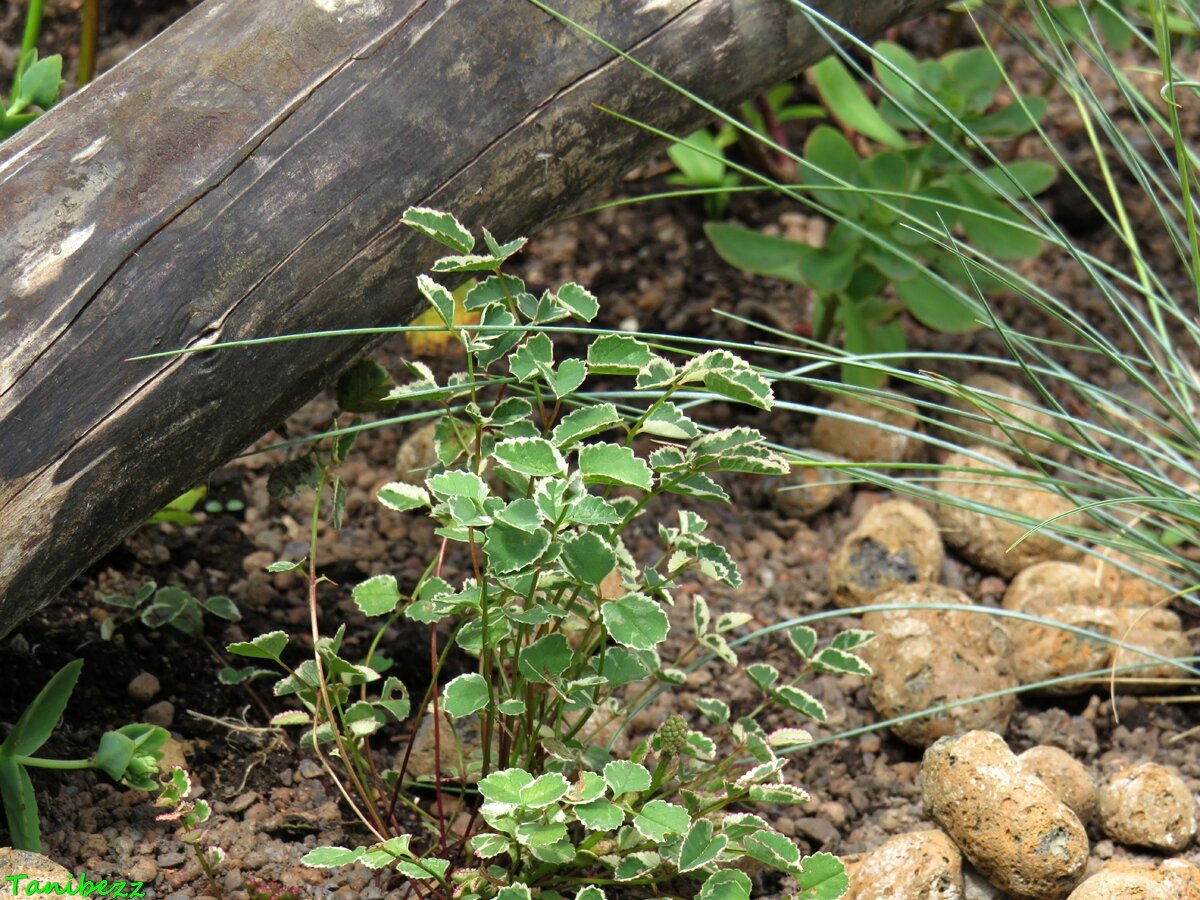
x,y
243,175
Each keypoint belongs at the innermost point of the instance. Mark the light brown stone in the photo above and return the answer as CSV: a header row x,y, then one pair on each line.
x,y
1068,779
1148,805
1158,631
1019,413
417,455
921,865
1172,879
1011,827
810,489
896,543
862,440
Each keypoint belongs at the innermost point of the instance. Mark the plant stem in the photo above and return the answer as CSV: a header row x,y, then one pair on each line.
x,y
33,26
40,763
88,30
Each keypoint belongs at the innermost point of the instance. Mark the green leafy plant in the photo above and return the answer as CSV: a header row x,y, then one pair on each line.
x,y
36,82
700,159
157,607
1121,23
189,815
182,510
535,488
894,207
128,754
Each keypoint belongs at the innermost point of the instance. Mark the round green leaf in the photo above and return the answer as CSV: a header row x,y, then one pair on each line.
x,y
465,694
636,621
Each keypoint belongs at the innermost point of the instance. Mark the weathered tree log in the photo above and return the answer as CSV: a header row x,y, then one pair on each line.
x,y
243,174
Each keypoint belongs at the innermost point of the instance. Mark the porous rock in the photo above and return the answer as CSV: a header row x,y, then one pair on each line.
x,y
1068,779
1018,412
863,440
984,538
1148,805
37,867
810,489
921,865
417,455
896,543
1124,587
1158,631
923,658
1126,879
1011,827
1067,593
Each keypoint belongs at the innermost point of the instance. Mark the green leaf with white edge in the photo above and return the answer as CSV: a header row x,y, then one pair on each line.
x,y
697,485
284,565
505,786
591,892
365,387
716,711
803,640
471,262
773,849
658,374
401,497
800,701
428,868
439,298
377,596
495,289
658,818
521,513
637,865
291,717
730,621
727,884
762,772
514,706
822,876
840,662
624,776
852,639
667,421
488,844
567,378
514,892
589,787
846,101
764,675
615,465
544,790
618,354
546,658
593,510
716,444
465,694
715,562
442,227
635,621
600,815
458,484
580,301
230,675
588,557
788,737
774,792
700,846
540,834
700,615
331,857
583,423
719,646
534,357
264,646
530,456
725,374
511,549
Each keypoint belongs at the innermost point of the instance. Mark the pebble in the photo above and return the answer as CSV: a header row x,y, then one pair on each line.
x,y
242,802
921,865
1148,805
143,687
143,870
1126,588
1068,779
1158,631
896,543
984,418
862,440
161,714
1011,827
1067,593
1172,879
819,830
254,563
309,768
417,455
984,539
808,489
923,658
36,866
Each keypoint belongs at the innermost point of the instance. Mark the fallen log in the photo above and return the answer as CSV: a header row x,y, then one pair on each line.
x,y
243,175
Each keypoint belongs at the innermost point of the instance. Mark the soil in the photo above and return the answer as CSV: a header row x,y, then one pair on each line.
x,y
653,269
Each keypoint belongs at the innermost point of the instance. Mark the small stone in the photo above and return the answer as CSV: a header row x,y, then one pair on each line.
x,y
1014,408
36,866
161,713
143,687
896,543
985,539
1067,593
1128,879
1158,631
921,865
417,455
1148,805
1011,827
810,489
257,561
1127,588
1067,778
819,830
309,768
923,658
143,870
242,802
848,429
171,858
